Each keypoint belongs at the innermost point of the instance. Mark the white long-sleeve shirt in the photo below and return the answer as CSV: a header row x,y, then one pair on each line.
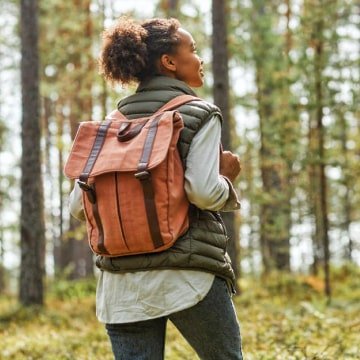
x,y
145,295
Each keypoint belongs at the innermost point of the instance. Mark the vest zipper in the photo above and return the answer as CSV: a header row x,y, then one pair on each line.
x,y
231,286
221,221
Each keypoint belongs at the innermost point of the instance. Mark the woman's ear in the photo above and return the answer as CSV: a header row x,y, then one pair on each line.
x,y
167,63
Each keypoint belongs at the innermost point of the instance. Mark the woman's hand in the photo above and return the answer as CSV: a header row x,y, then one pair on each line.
x,y
229,165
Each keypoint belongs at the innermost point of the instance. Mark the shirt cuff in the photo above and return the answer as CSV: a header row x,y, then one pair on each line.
x,y
233,202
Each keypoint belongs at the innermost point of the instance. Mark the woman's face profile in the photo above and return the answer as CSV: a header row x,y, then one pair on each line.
x,y
187,65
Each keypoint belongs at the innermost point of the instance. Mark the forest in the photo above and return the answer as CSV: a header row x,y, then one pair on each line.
x,y
285,74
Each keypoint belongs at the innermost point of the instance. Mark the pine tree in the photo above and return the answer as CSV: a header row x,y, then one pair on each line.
x,y
221,93
3,131
344,131
271,86
170,7
31,219
68,74
315,17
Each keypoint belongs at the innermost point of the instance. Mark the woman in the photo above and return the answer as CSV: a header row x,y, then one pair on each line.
x,y
191,283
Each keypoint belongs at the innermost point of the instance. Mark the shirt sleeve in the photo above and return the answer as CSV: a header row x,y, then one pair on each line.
x,y
76,206
204,185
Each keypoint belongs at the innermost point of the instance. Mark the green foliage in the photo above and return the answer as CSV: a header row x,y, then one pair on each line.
x,y
293,49
3,131
260,44
281,317
63,330
286,317
63,289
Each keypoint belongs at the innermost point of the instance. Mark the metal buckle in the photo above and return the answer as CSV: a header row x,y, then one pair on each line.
x,y
90,191
143,175
84,186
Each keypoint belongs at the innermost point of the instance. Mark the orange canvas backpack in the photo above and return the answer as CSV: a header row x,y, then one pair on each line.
x,y
132,179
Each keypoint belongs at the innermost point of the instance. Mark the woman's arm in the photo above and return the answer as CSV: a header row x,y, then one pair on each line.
x,y
76,204
204,185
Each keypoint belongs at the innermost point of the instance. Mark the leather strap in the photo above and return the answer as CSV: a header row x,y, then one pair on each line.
x,y
115,115
117,184
148,190
151,213
124,135
90,189
176,102
144,175
170,105
100,240
95,151
149,143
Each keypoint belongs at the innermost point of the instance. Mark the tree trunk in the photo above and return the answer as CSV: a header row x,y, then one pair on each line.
x,y
48,113
3,131
76,253
2,255
347,206
250,179
2,250
58,239
170,7
222,99
104,92
321,204
31,218
313,194
272,97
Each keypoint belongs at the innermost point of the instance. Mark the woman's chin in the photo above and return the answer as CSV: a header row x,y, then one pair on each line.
x,y
197,84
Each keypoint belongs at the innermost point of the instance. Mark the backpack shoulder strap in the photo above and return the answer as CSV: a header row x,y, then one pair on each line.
x,y
176,102
170,105
115,115
143,174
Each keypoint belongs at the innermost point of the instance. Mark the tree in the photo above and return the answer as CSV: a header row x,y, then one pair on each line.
x,y
272,107
3,130
9,71
170,7
222,99
76,251
345,130
316,56
31,219
68,75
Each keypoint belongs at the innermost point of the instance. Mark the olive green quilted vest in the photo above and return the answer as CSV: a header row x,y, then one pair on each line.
x,y
203,246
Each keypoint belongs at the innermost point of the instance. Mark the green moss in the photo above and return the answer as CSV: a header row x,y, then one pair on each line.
x,y
281,317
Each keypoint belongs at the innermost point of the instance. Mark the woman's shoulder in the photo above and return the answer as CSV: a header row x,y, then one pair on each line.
x,y
200,108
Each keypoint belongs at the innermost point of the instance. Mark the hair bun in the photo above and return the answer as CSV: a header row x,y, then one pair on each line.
x,y
130,51
124,52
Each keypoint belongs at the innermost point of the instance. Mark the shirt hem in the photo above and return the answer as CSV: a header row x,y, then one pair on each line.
x,y
144,317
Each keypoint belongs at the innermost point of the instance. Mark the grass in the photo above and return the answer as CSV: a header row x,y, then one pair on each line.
x,y
282,317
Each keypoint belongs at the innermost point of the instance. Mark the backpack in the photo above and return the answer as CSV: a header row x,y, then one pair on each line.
x,y
132,179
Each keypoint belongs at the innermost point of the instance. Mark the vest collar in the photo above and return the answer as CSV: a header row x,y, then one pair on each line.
x,y
164,83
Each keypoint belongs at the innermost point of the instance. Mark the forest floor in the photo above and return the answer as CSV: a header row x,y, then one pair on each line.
x,y
283,317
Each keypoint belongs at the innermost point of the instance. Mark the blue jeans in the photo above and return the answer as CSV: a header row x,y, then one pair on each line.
x,y
210,327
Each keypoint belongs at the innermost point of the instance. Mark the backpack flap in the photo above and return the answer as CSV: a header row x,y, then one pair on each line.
x,y
130,210
100,143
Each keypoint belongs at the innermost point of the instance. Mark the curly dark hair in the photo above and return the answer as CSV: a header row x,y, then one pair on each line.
x,y
130,49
